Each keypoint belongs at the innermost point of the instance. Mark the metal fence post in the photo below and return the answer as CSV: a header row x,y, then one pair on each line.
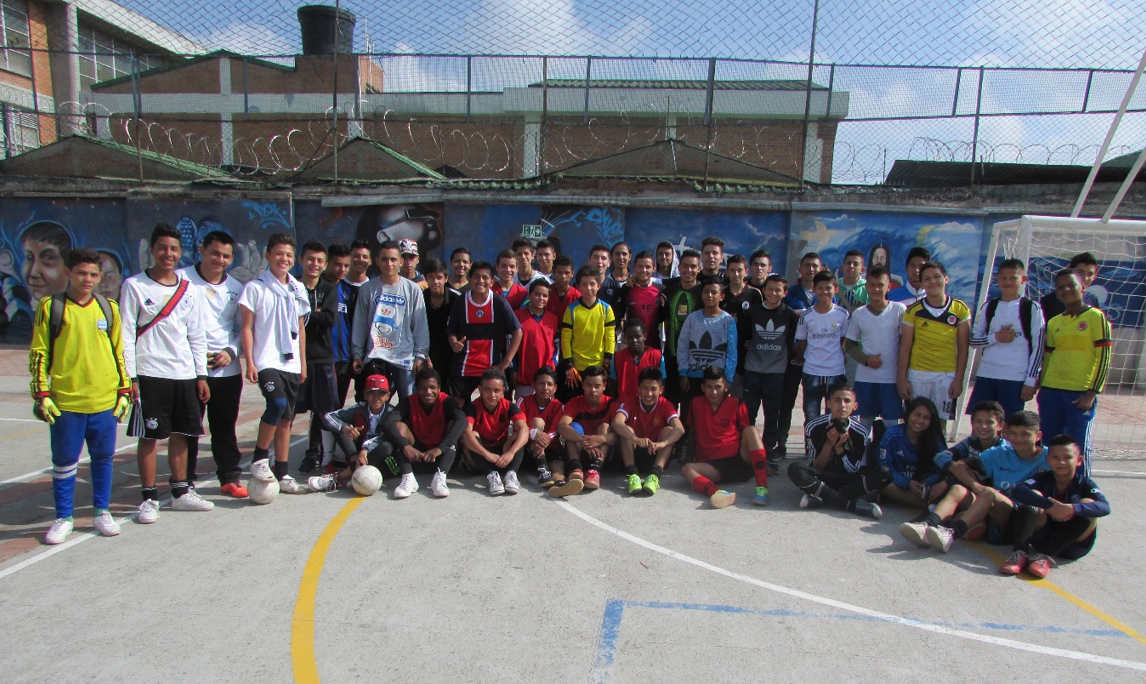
x,y
975,138
958,84
469,86
808,95
588,74
544,114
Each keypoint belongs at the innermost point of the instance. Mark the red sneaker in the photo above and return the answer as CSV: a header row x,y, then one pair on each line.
x,y
1014,564
1040,565
975,533
592,480
234,490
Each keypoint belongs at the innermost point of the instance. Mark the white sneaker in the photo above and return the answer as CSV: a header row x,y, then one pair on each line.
x,y
438,485
323,483
287,485
512,484
261,470
59,531
148,512
191,501
406,487
105,524
496,488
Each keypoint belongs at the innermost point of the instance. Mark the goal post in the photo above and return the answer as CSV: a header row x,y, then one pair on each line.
x,y
1046,244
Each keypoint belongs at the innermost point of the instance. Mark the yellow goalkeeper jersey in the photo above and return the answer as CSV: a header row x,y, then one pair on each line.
x,y
82,370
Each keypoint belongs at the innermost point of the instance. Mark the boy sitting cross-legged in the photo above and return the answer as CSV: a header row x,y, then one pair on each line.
x,y
646,428
726,445
430,423
494,442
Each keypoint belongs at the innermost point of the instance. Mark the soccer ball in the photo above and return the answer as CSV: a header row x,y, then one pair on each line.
x,y
262,492
366,480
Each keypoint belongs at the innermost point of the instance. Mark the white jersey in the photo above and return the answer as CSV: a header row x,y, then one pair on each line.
x,y
174,348
823,332
877,334
258,298
222,318
1018,360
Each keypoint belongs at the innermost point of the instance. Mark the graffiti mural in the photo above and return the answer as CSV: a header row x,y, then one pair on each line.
x,y
36,236
887,237
421,222
487,229
742,232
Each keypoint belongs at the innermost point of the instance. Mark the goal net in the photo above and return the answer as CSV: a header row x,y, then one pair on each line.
x,y
1046,244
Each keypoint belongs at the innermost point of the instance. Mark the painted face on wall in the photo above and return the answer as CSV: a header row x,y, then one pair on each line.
x,y
44,271
111,277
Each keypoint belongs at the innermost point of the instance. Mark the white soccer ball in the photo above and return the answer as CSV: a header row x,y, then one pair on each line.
x,y
262,492
366,480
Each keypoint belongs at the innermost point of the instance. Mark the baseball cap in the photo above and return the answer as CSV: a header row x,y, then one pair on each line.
x,y
408,246
377,382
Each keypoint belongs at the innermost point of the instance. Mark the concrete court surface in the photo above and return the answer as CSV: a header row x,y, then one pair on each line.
x,y
600,588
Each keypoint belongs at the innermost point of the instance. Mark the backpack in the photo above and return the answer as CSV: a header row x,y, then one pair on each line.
x,y
1026,309
56,319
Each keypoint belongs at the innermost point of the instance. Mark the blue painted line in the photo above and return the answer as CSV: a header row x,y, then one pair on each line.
x,y
615,610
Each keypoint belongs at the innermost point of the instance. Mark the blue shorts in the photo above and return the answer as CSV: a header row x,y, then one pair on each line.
x,y
1009,393
879,399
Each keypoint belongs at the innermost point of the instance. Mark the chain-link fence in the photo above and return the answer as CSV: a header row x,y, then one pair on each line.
x,y
499,89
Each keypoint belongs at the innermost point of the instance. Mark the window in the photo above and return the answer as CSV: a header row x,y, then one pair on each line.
x,y
103,58
20,131
14,41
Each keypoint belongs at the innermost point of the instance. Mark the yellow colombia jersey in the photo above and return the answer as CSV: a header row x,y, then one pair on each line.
x,y
933,349
1077,352
588,334
87,369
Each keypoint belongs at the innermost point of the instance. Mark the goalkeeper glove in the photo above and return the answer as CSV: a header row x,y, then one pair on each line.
x,y
46,410
122,404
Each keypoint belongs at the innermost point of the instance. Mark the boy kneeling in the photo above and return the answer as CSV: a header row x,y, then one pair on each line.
x,y
1058,512
727,446
838,471
646,428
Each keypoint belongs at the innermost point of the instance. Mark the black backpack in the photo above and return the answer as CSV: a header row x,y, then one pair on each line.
x,y
1026,310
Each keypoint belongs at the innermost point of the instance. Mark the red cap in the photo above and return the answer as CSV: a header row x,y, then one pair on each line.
x,y
377,382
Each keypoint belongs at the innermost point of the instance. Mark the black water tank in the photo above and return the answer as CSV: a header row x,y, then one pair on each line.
x,y
318,27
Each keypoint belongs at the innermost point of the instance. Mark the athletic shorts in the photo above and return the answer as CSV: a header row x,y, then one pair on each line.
x,y
166,407
732,469
319,392
1009,393
879,399
278,384
934,386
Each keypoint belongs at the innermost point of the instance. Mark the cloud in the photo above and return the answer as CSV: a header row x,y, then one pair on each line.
x,y
249,39
548,27
421,74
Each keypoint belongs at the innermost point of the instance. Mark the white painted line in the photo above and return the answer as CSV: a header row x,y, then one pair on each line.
x,y
840,605
1120,472
44,471
21,420
84,536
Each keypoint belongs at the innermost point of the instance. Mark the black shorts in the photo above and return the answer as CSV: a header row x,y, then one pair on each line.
x,y
166,407
732,469
278,384
319,393
644,459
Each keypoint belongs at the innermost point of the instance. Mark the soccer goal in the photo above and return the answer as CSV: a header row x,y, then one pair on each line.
x,y
1046,244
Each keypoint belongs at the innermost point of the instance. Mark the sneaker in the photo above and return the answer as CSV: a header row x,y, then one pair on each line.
x,y
496,488
722,499
633,483
59,531
261,470
406,487
811,502
288,485
105,524
761,496
651,485
1040,565
1015,563
148,512
511,483
573,486
309,463
916,533
577,475
976,532
866,509
940,538
191,501
323,483
234,490
438,485
592,480
544,478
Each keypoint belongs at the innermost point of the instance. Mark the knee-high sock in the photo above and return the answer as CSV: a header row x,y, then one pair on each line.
x,y
704,485
759,458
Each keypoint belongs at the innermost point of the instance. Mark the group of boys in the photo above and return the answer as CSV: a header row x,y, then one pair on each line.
x,y
573,370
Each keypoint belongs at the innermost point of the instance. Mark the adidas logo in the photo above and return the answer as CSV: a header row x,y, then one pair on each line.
x,y
769,331
705,353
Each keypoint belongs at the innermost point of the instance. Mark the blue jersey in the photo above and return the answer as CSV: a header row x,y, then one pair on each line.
x,y
1004,467
969,448
340,333
1039,489
901,458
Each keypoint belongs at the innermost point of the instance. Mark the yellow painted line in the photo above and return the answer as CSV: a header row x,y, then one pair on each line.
x,y
998,559
23,432
302,621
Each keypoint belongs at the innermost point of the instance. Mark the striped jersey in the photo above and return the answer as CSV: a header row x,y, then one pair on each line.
x,y
485,327
934,346
1077,351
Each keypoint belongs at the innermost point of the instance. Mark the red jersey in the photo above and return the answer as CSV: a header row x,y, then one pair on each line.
x,y
648,423
557,304
515,295
643,303
578,409
492,427
626,371
538,344
717,432
428,427
549,415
